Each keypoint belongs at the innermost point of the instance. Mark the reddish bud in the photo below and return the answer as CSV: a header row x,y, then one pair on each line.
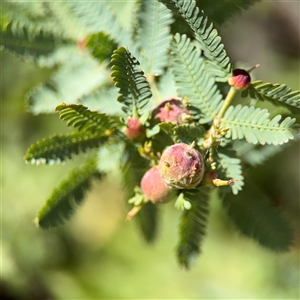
x,y
134,128
154,187
181,166
82,43
240,80
171,110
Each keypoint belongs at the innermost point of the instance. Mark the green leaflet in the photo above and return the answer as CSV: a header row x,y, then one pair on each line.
x,y
34,16
207,37
192,79
232,168
254,125
257,154
255,217
58,148
103,99
189,133
26,44
215,9
67,196
153,36
97,16
81,117
70,82
133,87
278,94
192,227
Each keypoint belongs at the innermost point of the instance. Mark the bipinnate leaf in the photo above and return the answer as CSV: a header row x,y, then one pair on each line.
x,y
71,81
83,119
254,125
25,44
189,133
278,94
133,87
215,9
207,37
232,168
255,216
58,148
96,16
192,227
192,79
153,36
67,196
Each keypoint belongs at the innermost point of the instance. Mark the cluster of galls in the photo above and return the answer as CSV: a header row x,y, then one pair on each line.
x,y
180,166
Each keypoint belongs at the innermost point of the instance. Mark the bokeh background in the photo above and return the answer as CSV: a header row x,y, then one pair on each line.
x,y
97,255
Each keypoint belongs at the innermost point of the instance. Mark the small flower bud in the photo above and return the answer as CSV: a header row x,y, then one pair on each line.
x,y
154,187
181,166
134,128
240,80
171,110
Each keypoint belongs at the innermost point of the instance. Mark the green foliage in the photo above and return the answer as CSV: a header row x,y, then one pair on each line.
x,y
193,80
67,197
254,125
85,41
153,36
215,9
207,37
57,148
278,94
255,217
232,168
30,45
129,78
192,226
189,133
69,83
83,119
100,46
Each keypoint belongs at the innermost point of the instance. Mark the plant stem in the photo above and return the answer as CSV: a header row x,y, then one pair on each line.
x,y
211,135
227,102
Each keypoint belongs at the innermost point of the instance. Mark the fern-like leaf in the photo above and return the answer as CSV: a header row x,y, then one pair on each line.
x,y
97,16
193,226
103,100
69,83
154,36
81,117
255,217
25,44
215,9
206,35
192,79
189,133
129,78
231,166
278,94
254,125
67,196
58,148
255,155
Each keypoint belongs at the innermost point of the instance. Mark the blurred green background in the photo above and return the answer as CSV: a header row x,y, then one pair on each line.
x,y
97,255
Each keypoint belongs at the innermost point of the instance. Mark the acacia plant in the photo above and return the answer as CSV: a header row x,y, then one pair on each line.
x,y
150,88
